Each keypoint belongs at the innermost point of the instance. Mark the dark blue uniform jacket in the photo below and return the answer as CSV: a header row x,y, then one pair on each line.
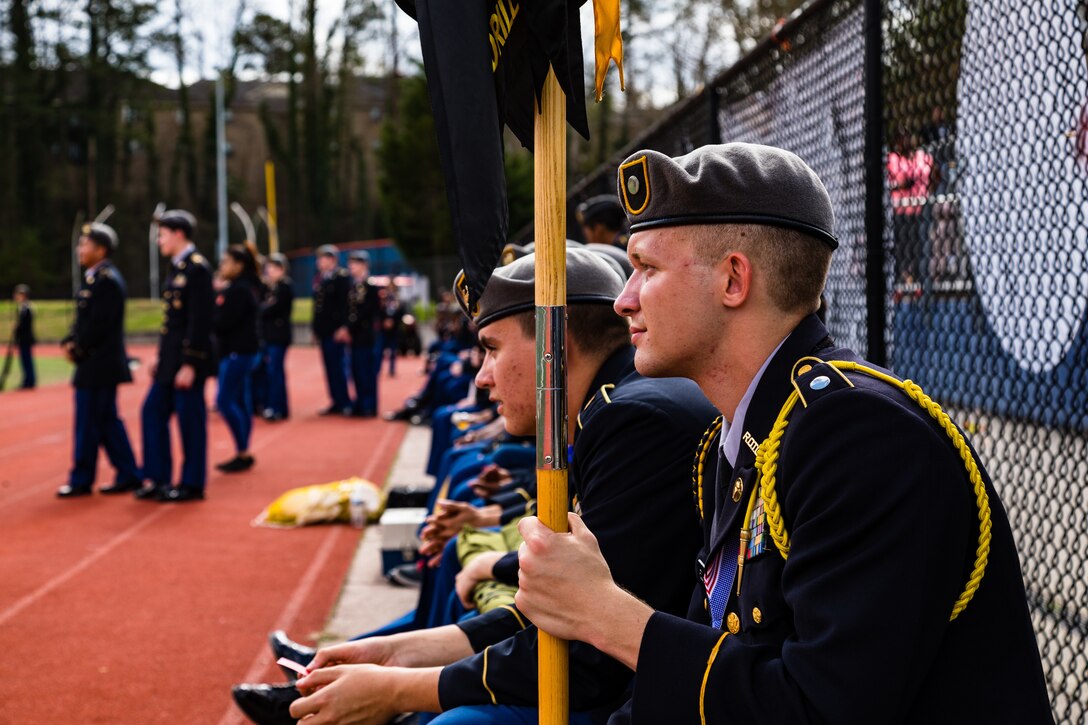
x,y
854,626
98,332
629,474
185,337
276,313
363,312
330,302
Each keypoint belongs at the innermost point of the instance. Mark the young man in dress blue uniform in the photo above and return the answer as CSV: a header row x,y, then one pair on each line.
x,y
331,284
23,336
363,314
857,565
184,363
629,475
96,344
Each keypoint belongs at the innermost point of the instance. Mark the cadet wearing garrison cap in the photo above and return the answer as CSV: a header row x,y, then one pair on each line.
x,y
330,285
363,313
276,333
96,344
602,221
184,363
857,565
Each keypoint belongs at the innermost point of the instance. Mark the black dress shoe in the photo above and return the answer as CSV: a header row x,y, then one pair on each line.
x,y
266,704
150,493
334,410
67,491
284,646
182,493
121,488
237,464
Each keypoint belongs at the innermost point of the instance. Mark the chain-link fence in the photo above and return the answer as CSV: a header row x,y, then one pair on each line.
x,y
952,136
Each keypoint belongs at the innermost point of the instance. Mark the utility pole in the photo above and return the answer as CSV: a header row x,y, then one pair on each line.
x,y
221,165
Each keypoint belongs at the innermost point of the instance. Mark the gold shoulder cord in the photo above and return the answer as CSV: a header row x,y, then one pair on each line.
x,y
700,463
767,463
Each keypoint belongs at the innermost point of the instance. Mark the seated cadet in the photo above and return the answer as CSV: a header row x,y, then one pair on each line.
x,y
96,345
857,565
602,221
629,473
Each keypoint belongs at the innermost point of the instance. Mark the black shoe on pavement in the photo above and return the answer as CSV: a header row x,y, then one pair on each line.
x,y
121,488
150,493
182,493
237,464
266,704
406,575
67,491
284,646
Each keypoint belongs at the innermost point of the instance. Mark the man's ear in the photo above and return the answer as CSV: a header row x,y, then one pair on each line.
x,y
735,279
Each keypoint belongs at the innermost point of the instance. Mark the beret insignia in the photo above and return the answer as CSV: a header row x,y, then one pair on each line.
x,y
635,185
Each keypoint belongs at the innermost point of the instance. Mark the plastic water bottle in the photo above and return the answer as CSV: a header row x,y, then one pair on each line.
x,y
357,506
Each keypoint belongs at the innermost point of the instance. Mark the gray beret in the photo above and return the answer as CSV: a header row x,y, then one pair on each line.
x,y
733,183
359,255
328,250
614,254
22,289
604,209
179,220
279,259
101,234
591,278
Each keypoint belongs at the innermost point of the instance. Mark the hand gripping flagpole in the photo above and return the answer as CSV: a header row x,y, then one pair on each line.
x,y
550,172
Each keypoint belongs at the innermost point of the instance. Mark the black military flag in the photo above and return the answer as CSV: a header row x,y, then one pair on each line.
x,y
486,61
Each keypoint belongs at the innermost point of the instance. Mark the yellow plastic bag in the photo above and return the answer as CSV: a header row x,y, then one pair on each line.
x,y
323,503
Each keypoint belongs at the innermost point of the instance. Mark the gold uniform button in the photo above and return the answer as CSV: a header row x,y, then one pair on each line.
x,y
738,489
757,616
733,623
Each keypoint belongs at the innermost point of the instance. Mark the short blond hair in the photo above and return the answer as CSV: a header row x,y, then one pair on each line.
x,y
793,263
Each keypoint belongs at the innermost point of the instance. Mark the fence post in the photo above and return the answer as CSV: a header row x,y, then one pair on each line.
x,y
876,287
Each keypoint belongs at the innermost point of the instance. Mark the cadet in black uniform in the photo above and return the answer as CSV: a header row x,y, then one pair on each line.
x,y
331,285
602,221
235,325
183,364
363,314
276,333
857,565
23,335
628,472
96,344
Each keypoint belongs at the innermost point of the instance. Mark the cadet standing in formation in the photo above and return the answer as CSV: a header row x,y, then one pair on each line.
x,y
857,565
330,325
23,335
237,349
276,333
184,362
363,313
96,344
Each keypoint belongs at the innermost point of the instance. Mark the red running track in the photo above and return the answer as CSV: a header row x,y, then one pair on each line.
x,y
114,610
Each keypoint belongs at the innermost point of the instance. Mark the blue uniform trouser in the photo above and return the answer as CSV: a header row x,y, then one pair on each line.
x,y
98,425
163,401
364,375
389,345
26,362
500,715
277,379
332,355
235,399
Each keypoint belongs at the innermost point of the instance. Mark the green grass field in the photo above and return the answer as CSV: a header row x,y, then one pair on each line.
x,y
52,318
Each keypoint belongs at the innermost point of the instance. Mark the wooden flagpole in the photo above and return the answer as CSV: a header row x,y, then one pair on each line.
x,y
550,181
